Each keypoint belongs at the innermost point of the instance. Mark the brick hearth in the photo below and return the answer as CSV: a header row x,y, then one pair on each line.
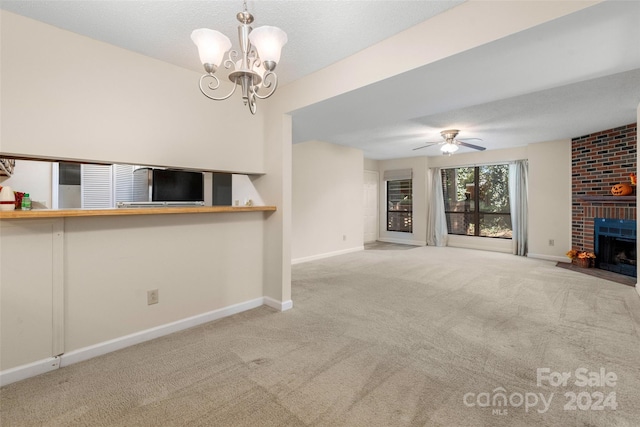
x,y
598,162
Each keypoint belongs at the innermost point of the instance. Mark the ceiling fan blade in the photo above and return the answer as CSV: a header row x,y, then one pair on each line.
x,y
475,147
469,139
425,146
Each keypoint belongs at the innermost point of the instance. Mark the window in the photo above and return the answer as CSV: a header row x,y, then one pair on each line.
x,y
476,201
399,205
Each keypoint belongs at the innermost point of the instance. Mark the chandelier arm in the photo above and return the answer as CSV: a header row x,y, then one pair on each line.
x,y
231,59
251,102
212,86
268,81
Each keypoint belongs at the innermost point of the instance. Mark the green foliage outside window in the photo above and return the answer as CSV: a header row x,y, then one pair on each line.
x,y
477,200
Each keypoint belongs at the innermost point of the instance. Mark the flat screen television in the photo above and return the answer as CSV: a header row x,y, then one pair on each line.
x,y
177,186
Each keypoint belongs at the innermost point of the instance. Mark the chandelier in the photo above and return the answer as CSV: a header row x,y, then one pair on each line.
x,y
251,68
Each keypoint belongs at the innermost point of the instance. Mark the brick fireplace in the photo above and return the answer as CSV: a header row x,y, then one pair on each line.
x,y
598,162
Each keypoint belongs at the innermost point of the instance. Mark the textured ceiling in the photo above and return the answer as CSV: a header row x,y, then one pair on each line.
x,y
565,78
320,32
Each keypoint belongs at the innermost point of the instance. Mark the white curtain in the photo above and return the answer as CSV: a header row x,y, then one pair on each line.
x,y
436,220
518,190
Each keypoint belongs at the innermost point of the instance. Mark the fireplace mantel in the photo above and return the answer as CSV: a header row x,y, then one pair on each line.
x,y
608,199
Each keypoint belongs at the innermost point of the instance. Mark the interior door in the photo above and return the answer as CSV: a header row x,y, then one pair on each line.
x,y
371,179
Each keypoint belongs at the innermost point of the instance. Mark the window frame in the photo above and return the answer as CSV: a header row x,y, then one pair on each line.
x,y
476,214
393,212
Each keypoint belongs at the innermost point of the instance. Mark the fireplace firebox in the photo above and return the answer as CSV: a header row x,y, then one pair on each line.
x,y
615,245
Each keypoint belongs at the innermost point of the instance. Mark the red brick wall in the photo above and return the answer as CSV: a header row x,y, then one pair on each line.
x,y
598,162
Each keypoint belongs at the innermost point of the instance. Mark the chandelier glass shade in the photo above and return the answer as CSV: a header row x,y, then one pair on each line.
x,y
449,148
252,67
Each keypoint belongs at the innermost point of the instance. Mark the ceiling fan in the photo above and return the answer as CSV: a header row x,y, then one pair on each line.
x,y
450,144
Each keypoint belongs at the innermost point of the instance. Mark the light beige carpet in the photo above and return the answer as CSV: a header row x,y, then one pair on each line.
x,y
419,337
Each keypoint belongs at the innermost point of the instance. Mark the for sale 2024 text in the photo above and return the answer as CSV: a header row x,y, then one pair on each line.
x,y
594,400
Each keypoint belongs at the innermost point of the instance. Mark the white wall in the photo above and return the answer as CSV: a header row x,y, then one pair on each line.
x,y
549,196
65,96
102,103
27,327
243,192
371,165
550,199
105,266
476,23
327,214
33,178
199,263
419,234
275,186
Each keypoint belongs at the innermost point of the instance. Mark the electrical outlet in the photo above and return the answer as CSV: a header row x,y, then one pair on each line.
x,y
551,242
152,297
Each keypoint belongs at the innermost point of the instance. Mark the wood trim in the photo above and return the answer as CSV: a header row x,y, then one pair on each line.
x,y
67,213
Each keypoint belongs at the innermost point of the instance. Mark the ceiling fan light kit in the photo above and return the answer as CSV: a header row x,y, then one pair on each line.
x,y
252,68
450,144
449,148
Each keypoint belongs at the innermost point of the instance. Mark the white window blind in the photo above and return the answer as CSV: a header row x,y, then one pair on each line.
x,y
96,186
123,183
398,174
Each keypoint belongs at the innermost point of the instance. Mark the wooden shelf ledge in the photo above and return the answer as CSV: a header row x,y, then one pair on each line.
x,y
70,213
608,199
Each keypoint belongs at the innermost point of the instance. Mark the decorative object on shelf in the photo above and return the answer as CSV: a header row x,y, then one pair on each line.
x,y
19,196
633,178
252,69
582,259
622,189
25,202
7,199
7,166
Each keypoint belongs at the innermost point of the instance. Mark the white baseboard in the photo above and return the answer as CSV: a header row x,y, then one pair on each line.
x,y
326,255
23,372
403,242
159,331
637,289
555,258
278,305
